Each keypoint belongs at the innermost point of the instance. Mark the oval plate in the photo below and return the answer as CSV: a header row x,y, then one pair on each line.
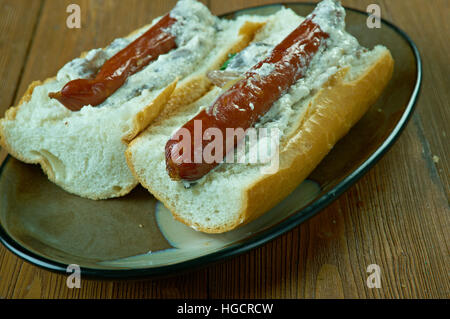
x,y
135,237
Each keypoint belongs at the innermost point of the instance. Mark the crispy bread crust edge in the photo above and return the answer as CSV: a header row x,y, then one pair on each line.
x,y
315,136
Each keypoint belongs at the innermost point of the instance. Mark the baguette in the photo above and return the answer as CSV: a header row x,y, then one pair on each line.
x,y
83,152
340,85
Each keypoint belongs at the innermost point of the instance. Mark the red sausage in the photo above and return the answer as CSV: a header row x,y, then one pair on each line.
x,y
246,101
116,70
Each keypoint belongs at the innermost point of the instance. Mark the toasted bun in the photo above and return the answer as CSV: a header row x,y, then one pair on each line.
x,y
232,194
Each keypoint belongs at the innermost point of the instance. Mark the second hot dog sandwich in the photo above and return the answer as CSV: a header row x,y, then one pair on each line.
x,y
310,81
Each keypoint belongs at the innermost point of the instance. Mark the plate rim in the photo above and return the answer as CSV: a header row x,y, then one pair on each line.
x,y
253,241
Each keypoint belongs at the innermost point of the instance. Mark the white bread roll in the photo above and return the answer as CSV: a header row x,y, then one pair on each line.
x,y
341,83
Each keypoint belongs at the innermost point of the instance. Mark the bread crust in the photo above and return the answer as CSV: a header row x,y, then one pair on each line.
x,y
11,113
316,134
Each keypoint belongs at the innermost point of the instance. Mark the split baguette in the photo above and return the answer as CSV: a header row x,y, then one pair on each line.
x,y
234,194
83,152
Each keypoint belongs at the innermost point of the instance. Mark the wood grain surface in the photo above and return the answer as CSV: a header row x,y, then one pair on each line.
x,y
396,216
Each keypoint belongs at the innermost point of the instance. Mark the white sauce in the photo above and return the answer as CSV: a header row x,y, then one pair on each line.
x,y
264,70
248,57
195,32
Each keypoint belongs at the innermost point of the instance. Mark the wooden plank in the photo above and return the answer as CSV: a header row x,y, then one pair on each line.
x,y
18,19
430,30
17,24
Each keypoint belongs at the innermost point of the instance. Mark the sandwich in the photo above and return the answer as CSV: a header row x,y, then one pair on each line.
x,y
306,79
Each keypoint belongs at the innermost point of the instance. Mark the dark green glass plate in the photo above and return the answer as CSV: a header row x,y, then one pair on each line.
x,y
135,237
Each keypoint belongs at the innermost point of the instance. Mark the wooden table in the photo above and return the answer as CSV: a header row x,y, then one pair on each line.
x,y
396,216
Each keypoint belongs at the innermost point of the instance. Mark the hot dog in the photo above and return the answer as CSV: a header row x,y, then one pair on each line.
x,y
307,78
116,70
249,99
